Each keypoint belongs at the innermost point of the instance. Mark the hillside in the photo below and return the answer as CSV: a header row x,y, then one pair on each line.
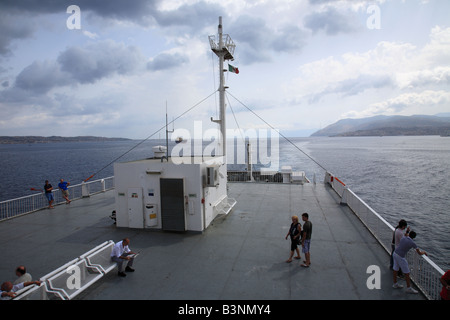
x,y
388,126
52,139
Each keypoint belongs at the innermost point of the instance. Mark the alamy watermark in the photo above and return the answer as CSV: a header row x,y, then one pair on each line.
x,y
374,20
73,282
374,280
264,144
74,20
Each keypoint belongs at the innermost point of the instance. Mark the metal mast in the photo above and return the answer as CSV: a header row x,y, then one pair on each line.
x,y
224,49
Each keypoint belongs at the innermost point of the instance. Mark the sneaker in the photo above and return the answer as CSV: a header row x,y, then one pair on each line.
x,y
411,290
397,286
129,269
122,274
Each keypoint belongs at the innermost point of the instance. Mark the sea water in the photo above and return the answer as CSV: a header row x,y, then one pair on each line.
x,y
404,177
399,177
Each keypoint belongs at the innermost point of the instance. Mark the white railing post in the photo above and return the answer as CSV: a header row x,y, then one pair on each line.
x,y
344,196
84,190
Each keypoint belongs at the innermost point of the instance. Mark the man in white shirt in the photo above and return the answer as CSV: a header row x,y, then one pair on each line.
x,y
120,253
22,274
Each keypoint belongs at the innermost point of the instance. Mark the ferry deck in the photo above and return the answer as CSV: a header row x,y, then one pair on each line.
x,y
240,256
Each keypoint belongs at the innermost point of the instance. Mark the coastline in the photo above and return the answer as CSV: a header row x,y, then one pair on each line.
x,y
53,139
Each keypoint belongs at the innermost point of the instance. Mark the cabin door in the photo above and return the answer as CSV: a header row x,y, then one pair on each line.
x,y
135,208
172,204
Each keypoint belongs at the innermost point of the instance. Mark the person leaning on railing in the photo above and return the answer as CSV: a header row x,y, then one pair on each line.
x,y
8,290
400,262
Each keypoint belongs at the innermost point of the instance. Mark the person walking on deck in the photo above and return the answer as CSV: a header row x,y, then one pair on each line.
x,y
294,233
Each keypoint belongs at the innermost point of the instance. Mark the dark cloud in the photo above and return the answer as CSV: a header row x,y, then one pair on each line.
x,y
256,41
166,61
331,21
16,16
143,12
250,30
102,104
194,16
117,9
12,29
289,39
99,60
41,76
81,65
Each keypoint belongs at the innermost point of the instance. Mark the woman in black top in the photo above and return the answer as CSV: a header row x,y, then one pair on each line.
x,y
294,232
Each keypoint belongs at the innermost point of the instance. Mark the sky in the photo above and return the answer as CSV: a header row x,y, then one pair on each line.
x,y
114,67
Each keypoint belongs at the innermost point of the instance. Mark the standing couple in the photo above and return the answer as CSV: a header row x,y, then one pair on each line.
x,y
300,237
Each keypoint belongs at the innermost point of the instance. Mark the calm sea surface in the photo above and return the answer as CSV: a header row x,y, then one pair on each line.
x,y
399,177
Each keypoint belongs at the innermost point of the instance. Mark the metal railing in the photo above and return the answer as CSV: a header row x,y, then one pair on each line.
x,y
227,42
424,272
24,205
242,176
266,176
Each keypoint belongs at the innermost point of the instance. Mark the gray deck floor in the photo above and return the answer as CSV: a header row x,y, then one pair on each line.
x,y
240,256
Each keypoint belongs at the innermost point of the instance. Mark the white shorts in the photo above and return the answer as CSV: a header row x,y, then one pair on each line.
x,y
401,263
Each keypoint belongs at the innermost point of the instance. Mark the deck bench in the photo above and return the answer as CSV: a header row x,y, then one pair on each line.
x,y
101,258
61,281
41,292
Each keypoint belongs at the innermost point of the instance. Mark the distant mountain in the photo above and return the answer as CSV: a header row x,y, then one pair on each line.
x,y
443,114
388,126
39,139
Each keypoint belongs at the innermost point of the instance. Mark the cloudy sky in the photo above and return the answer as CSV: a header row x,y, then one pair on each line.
x,y
304,64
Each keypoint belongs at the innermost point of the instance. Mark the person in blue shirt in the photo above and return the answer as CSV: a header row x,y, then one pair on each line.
x,y
64,190
400,262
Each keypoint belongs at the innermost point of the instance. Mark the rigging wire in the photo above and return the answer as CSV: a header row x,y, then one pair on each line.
x,y
235,120
239,128
141,142
287,139
193,107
